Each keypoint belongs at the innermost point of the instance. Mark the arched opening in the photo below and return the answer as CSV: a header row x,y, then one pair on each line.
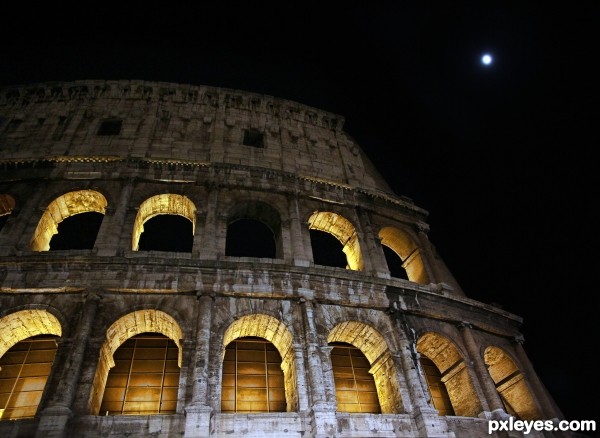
x,y
164,205
145,378
63,207
167,232
453,374
510,384
265,359
27,350
7,203
77,232
355,389
352,342
402,255
327,250
254,230
148,323
345,233
252,377
250,238
395,263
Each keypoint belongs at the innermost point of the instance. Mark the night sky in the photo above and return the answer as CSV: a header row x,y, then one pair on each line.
x,y
501,155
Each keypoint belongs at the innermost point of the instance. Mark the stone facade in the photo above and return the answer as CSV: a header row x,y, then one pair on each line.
x,y
132,150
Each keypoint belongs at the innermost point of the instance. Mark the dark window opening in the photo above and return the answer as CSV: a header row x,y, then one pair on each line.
x,y
77,232
254,138
110,127
437,389
145,378
13,125
250,238
394,263
253,380
3,220
24,370
355,389
327,250
167,232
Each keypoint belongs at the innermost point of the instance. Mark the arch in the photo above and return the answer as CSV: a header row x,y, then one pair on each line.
x,y
166,203
26,357
343,230
401,243
373,345
134,323
453,372
510,384
7,204
269,328
260,219
69,204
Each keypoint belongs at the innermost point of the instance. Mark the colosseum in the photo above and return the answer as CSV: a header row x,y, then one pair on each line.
x,y
181,260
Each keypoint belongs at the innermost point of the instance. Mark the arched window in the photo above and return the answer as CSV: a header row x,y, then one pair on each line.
x,y
364,370
253,380
510,384
402,255
64,207
27,350
254,230
452,372
355,388
165,233
134,371
327,250
77,232
259,366
145,378
344,232
437,389
24,370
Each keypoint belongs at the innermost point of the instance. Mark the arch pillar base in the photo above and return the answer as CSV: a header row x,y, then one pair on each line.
x,y
429,423
53,422
197,421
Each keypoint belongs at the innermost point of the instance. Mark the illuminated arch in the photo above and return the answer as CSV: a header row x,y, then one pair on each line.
x,y
400,242
24,324
343,230
162,204
69,204
274,331
510,384
135,323
7,203
373,345
454,373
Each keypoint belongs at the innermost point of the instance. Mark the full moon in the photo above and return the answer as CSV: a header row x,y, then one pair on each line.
x,y
486,59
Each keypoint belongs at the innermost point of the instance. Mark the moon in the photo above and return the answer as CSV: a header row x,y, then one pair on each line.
x,y
487,59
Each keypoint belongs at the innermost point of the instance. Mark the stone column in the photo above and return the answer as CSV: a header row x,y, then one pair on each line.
x,y
426,417
486,383
433,272
108,240
545,404
323,412
18,231
300,254
54,418
198,412
373,250
205,243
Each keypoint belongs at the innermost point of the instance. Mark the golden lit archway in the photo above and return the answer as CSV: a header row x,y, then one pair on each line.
x,y
274,331
135,323
510,384
69,204
343,230
27,350
453,373
400,242
373,345
7,203
166,203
